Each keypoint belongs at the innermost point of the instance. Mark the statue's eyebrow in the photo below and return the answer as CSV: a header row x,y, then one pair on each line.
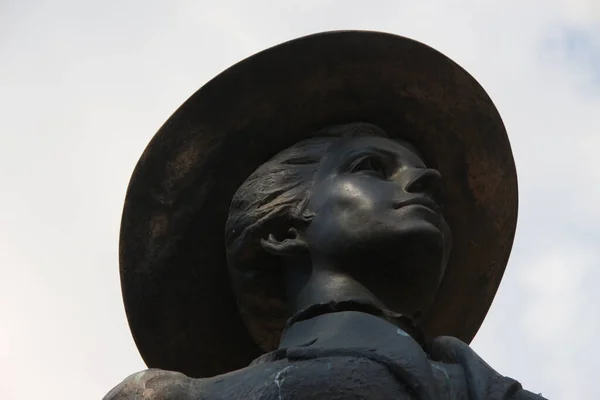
x,y
352,154
383,151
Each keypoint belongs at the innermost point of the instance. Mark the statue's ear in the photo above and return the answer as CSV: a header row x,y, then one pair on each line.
x,y
289,243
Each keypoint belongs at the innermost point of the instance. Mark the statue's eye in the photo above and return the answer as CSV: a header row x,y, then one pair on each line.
x,y
369,164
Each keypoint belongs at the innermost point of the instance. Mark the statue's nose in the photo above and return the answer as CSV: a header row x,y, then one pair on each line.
x,y
422,181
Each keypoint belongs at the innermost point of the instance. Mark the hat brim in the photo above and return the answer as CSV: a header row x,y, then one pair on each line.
x,y
179,304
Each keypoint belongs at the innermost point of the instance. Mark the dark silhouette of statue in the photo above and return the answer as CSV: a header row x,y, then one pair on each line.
x,y
328,219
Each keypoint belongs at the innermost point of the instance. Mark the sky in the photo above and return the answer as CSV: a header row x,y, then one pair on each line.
x,y
84,85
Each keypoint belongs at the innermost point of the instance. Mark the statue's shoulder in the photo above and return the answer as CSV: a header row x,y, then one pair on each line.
x,y
154,384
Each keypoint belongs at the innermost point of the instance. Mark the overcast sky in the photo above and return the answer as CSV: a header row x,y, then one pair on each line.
x,y
85,84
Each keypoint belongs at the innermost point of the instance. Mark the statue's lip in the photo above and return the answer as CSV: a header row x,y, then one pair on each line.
x,y
424,201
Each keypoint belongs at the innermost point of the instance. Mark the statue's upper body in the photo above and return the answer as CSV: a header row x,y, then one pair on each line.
x,y
350,229
346,355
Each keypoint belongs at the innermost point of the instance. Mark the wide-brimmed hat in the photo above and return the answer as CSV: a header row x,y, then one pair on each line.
x,y
178,299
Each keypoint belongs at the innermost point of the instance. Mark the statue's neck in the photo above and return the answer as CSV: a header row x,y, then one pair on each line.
x,y
325,301
319,284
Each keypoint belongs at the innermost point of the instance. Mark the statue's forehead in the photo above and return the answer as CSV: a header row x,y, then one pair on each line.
x,y
398,147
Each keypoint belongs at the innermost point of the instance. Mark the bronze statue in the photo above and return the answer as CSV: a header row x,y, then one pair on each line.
x,y
327,219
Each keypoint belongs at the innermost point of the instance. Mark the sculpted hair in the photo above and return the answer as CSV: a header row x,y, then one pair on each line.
x,y
275,196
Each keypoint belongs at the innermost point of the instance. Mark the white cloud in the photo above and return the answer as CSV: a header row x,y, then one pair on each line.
x,y
84,87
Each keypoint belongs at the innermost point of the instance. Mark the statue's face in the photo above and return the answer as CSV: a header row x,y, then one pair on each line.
x,y
376,218
371,223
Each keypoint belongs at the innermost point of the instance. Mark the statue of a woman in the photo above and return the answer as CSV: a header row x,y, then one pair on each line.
x,y
328,219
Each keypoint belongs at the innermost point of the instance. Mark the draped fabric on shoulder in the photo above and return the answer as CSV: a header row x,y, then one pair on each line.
x,y
483,382
154,384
